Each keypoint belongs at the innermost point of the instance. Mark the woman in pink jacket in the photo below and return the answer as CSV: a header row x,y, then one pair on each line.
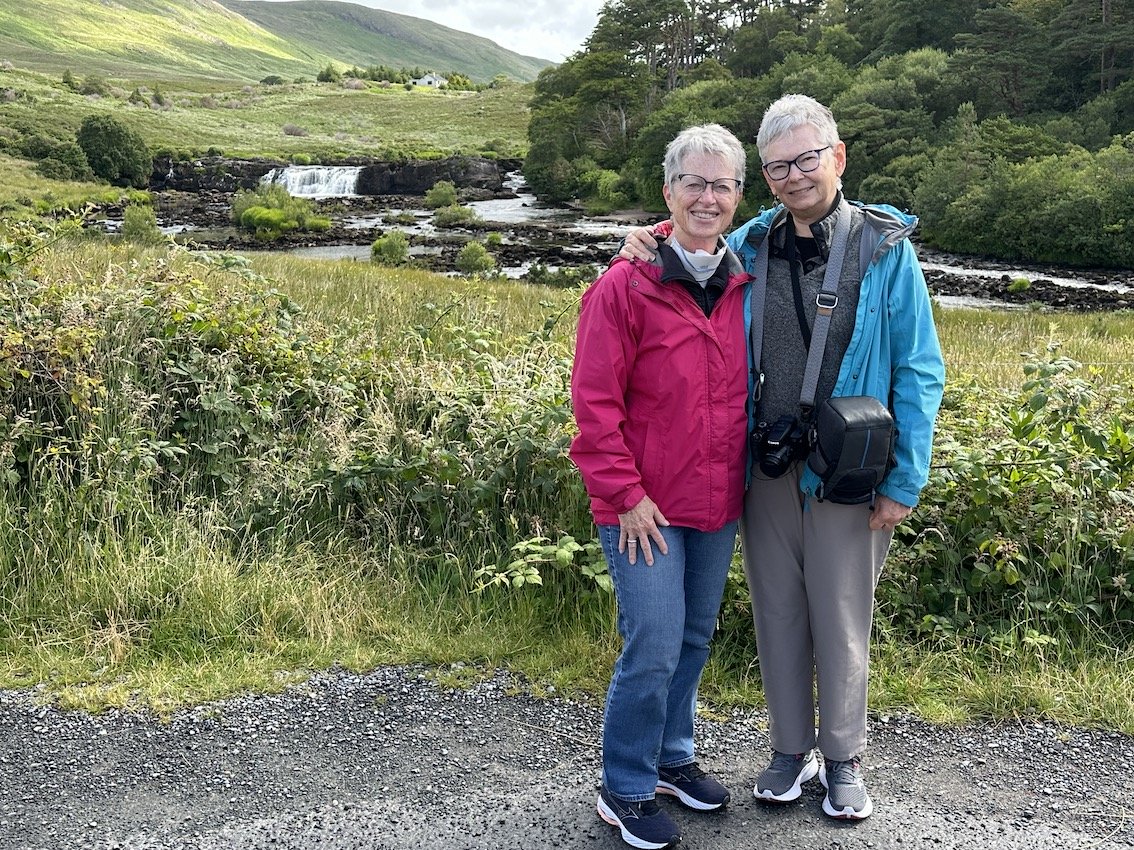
x,y
659,388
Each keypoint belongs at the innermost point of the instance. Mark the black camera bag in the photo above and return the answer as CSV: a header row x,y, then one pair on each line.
x,y
852,448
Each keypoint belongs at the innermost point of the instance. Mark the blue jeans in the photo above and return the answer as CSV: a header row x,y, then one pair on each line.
x,y
666,615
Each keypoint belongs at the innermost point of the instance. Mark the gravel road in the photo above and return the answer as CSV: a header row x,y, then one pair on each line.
x,y
390,761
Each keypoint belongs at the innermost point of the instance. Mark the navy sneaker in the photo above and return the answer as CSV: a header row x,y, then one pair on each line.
x,y
846,792
693,787
780,781
643,824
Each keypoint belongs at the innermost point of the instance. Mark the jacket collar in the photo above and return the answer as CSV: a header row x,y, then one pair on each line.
x,y
731,264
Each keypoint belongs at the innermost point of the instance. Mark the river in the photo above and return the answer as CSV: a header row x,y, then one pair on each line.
x,y
528,227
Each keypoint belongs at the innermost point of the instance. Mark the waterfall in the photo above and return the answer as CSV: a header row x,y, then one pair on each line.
x,y
316,181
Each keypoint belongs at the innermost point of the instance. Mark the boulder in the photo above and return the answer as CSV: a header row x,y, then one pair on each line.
x,y
209,174
413,177
416,177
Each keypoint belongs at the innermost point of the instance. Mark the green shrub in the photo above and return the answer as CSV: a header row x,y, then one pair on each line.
x,y
493,239
603,191
57,159
443,194
115,152
390,249
94,84
270,211
139,224
474,258
454,215
1026,523
267,222
570,277
1019,284
162,382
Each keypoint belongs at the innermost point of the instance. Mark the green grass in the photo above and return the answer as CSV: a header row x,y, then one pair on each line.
x,y
384,123
177,40
990,344
24,194
154,608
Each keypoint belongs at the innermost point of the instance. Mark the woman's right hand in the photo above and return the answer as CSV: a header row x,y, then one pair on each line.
x,y
640,244
639,531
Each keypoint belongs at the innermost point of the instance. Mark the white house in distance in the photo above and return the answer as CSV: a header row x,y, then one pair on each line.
x,y
434,81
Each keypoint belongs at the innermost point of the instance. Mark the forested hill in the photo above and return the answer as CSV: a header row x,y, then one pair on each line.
x,y
239,40
1007,126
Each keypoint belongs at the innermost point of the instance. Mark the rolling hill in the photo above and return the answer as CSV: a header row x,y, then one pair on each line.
x,y
237,40
359,35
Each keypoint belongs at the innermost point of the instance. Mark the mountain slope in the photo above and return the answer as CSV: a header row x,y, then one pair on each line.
x,y
203,39
360,35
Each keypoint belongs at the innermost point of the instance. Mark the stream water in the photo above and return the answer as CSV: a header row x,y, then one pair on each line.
x,y
524,220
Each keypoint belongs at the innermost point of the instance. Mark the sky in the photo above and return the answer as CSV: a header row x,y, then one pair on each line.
x,y
545,29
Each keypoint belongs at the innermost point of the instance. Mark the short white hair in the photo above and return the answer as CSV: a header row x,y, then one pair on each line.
x,y
792,111
705,139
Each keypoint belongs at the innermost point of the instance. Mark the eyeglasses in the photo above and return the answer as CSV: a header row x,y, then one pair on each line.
x,y
693,186
807,161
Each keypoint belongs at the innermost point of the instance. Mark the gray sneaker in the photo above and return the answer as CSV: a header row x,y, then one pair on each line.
x,y
781,780
846,792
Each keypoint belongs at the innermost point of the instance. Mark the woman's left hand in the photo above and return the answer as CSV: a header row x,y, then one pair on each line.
x,y
639,531
887,514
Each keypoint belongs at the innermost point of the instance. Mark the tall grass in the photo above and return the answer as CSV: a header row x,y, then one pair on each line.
x,y
990,346
218,472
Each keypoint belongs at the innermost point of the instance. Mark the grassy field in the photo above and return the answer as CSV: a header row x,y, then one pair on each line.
x,y
990,345
323,121
360,468
148,606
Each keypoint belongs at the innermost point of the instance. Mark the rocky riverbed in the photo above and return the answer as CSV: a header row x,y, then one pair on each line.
x,y
556,243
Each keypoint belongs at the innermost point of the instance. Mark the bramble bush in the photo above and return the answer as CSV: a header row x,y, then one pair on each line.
x,y
172,383
1027,524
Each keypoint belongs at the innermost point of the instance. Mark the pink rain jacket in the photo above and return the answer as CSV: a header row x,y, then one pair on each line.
x,y
659,392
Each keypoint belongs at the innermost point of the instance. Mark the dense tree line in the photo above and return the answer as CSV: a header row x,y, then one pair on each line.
x,y
1007,125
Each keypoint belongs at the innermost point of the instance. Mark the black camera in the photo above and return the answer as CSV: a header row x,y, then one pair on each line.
x,y
780,444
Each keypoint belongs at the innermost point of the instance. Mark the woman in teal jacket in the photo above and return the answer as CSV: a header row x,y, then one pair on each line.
x,y
893,353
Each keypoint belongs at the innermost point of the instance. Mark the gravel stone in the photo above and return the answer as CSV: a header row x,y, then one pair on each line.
x,y
388,760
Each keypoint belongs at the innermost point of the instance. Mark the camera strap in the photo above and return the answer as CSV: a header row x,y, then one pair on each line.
x,y
825,302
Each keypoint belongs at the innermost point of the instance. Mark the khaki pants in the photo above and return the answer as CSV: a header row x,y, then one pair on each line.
x,y
812,570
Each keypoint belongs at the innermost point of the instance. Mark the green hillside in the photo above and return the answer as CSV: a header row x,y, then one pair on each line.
x,y
182,40
359,35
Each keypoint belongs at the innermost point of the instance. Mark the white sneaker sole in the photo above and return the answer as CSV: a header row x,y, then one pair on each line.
x,y
847,812
809,772
692,802
610,817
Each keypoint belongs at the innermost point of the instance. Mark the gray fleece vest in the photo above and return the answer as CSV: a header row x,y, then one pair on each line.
x,y
784,354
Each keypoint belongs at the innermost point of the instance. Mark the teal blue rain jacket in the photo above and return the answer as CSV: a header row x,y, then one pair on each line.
x,y
893,354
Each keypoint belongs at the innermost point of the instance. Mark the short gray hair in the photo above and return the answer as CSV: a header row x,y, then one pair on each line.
x,y
792,111
704,139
